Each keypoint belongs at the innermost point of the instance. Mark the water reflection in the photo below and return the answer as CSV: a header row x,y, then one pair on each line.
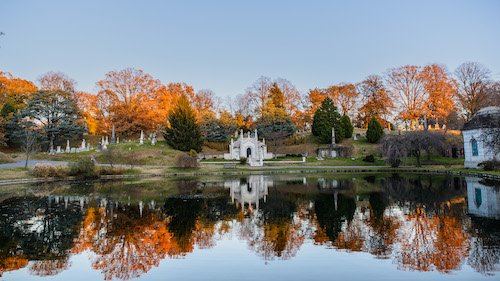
x,y
420,223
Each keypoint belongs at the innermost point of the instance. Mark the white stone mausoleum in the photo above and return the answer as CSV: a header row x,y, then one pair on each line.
x,y
474,133
248,146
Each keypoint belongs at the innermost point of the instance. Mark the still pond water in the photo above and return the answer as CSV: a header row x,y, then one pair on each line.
x,y
344,227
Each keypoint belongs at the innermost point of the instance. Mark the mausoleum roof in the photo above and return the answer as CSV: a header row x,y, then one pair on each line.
x,y
488,117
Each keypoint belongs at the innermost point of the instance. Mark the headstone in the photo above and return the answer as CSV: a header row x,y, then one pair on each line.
x,y
141,140
88,146
58,149
68,148
104,146
83,144
153,140
113,135
117,139
102,140
107,141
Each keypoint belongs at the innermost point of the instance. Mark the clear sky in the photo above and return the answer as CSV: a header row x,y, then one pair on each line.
x,y
226,45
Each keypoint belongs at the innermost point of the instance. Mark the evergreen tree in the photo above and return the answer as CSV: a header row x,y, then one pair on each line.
x,y
56,114
326,118
375,131
347,125
183,133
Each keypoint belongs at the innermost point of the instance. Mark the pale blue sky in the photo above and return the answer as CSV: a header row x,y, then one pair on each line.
x,y
226,45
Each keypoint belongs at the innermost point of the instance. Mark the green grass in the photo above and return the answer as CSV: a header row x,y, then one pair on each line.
x,y
130,153
343,162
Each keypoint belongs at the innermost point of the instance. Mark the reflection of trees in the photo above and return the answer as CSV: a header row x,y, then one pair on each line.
x,y
432,241
39,229
331,216
125,243
484,253
276,231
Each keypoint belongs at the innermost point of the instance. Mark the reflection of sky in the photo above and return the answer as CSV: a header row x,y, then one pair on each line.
x,y
231,259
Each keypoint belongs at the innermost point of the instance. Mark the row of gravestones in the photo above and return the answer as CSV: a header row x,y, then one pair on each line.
x,y
102,145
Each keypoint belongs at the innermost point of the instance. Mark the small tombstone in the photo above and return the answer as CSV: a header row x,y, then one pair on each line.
x,y
104,146
153,140
68,148
58,149
117,139
83,144
141,140
113,135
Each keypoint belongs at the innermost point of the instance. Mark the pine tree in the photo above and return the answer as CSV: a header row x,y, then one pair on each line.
x,y
326,118
183,133
347,125
375,131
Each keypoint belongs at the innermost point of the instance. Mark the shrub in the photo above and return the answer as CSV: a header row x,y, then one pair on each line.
x,y
83,168
369,158
185,161
375,131
108,170
243,160
491,165
4,158
41,170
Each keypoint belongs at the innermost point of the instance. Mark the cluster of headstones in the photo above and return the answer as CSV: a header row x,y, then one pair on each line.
x,y
83,147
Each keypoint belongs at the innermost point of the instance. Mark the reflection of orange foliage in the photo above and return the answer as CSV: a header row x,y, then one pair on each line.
x,y
49,267
126,246
12,263
450,246
204,235
432,241
282,239
352,238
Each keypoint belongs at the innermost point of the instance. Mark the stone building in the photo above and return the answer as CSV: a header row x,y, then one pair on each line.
x,y
474,133
248,146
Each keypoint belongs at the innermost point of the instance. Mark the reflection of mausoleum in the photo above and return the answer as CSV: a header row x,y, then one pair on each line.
x,y
249,190
483,200
248,147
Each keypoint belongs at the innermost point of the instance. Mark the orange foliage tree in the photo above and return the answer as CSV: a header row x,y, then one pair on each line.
x,y
375,101
129,98
440,90
406,87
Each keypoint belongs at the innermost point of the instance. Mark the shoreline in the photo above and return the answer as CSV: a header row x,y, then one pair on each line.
x,y
266,171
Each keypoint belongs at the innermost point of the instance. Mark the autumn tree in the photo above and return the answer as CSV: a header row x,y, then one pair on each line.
x,y
292,99
204,104
57,81
406,87
440,90
326,118
375,101
344,95
129,99
472,78
15,91
183,133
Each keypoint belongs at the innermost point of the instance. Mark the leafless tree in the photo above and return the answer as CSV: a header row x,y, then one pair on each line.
x,y
259,92
472,78
53,81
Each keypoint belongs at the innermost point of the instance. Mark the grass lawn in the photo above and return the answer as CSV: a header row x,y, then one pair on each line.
x,y
130,153
14,173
